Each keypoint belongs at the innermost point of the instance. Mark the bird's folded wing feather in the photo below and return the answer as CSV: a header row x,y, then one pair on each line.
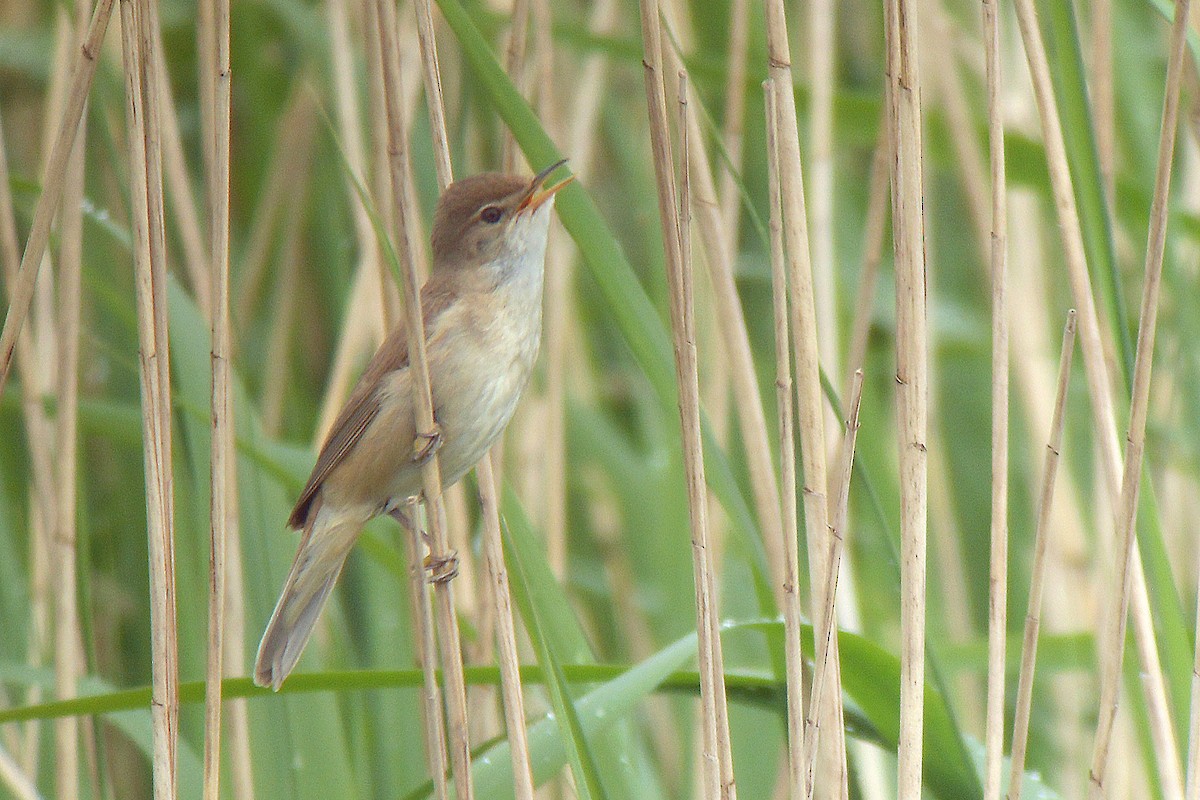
x,y
363,404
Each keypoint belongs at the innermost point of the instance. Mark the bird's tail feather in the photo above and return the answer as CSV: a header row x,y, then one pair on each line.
x,y
327,540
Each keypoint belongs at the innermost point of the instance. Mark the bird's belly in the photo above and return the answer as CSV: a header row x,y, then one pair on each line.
x,y
474,412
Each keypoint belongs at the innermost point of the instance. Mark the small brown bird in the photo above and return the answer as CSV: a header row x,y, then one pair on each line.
x,y
482,307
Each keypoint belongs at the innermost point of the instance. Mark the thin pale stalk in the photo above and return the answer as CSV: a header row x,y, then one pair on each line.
x,y
1033,614
16,781
752,420
873,240
581,130
912,370
31,362
792,615
425,650
351,135
1161,730
822,53
733,122
825,653
447,619
809,402
68,650
137,21
432,75
1100,391
506,633
683,324
514,65
1101,90
21,290
294,131
998,580
710,762
223,479
283,303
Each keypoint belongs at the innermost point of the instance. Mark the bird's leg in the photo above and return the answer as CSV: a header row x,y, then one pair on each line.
x,y
427,443
441,569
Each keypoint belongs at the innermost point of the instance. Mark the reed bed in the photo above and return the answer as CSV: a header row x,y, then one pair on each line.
x,y
803,442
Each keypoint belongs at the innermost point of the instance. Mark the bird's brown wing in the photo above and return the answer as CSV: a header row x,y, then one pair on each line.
x,y
363,404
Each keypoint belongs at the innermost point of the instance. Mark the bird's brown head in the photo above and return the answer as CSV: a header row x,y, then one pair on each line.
x,y
490,216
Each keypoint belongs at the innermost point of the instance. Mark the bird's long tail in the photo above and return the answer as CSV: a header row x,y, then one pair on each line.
x,y
324,546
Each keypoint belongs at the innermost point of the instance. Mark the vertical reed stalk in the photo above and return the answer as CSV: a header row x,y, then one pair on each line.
x,y
21,290
138,20
998,582
683,324
432,75
1033,613
1095,367
1160,728
450,641
794,660
751,418
506,633
733,122
822,53
825,651
912,369
68,651
223,480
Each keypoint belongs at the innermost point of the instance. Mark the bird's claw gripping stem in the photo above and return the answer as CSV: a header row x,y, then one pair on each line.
x,y
427,443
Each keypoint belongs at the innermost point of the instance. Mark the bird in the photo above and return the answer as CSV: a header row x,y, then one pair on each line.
x,y
482,309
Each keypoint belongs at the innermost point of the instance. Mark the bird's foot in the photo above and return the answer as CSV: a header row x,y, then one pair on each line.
x,y
442,569
427,444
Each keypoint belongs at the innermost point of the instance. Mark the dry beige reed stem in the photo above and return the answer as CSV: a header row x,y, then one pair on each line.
x,y
825,652
425,643
822,50
1101,89
732,126
432,75
352,136
1162,732
501,598
873,240
33,346
912,369
660,140
425,651
283,302
998,581
514,65
293,134
1095,366
447,620
792,615
21,290
137,22
223,483
1033,615
752,421
68,648
506,633
683,323
15,780
809,402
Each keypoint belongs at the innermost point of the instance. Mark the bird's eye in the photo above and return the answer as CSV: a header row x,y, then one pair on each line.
x,y
491,215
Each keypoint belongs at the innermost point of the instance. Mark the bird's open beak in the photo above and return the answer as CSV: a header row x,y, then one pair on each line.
x,y
537,195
